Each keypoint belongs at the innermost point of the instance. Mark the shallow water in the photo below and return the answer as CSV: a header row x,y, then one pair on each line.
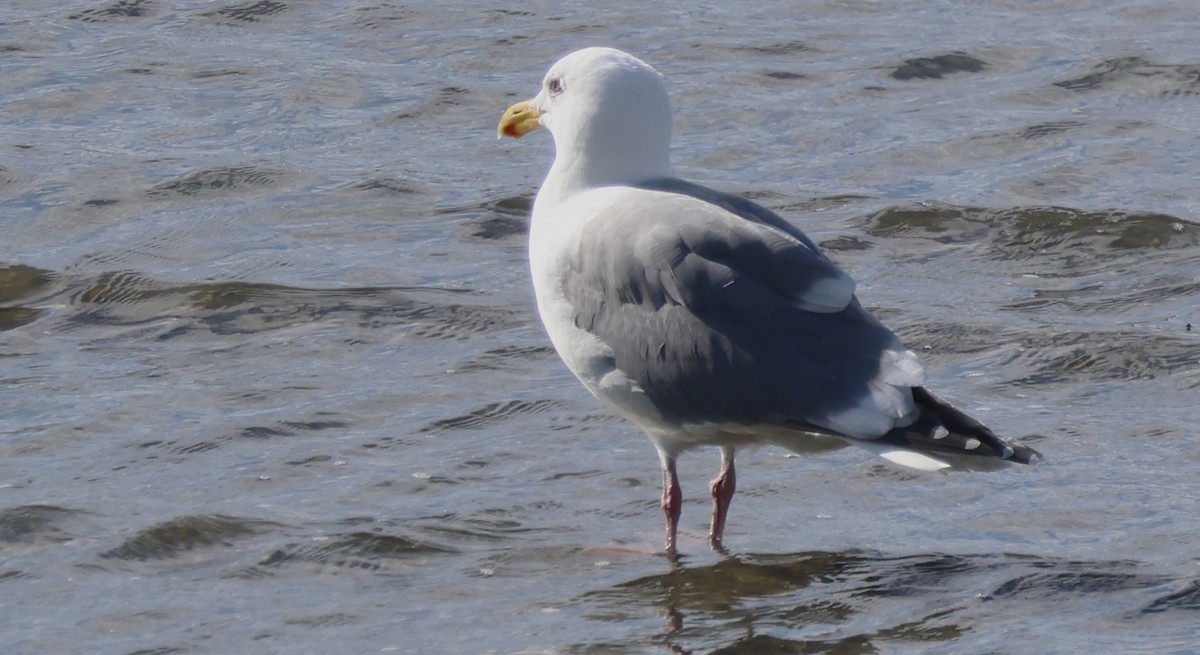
x,y
272,380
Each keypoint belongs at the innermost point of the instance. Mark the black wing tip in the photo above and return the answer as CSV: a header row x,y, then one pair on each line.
x,y
968,430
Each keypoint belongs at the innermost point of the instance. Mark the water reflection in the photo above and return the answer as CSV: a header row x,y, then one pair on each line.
x,y
857,601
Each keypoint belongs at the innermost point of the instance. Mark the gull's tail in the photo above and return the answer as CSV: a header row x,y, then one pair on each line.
x,y
944,437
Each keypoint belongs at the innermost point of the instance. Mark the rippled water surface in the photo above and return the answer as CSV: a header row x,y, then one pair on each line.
x,y
271,379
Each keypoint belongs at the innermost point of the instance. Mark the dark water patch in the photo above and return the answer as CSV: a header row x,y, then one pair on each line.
x,y
390,186
18,281
511,206
935,221
120,287
454,322
262,432
769,645
941,338
1082,582
426,481
784,76
374,17
845,243
1039,229
324,424
1080,239
218,181
778,49
129,298
931,628
1187,91
510,40
179,535
197,448
1170,80
451,95
1187,599
219,296
217,72
365,551
495,219
162,650
10,178
1086,357
491,414
443,99
1103,72
1042,130
249,12
290,428
938,66
514,13
175,71
1140,230
498,227
324,620
27,524
578,424
315,459
115,11
387,443
565,475
916,574
503,358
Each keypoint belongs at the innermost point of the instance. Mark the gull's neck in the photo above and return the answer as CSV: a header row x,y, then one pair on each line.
x,y
606,164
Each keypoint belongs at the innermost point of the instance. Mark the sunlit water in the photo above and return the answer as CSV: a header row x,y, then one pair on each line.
x,y
271,379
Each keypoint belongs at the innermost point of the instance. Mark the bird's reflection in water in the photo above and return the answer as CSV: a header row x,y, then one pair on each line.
x,y
730,594
850,602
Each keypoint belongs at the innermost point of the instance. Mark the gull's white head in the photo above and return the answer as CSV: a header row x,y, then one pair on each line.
x,y
609,115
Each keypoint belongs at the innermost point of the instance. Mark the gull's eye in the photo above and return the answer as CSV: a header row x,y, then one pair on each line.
x,y
554,86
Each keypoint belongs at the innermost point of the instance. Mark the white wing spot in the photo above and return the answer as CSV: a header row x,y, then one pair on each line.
x,y
827,295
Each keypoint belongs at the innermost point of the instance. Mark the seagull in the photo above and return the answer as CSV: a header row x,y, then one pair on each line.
x,y
704,318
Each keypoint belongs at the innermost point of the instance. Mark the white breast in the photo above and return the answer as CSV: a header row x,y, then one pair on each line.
x,y
553,240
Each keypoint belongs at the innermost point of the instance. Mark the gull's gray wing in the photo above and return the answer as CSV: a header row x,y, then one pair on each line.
x,y
723,313
747,209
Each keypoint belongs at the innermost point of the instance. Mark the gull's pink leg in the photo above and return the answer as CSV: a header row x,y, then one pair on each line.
x,y
672,502
722,490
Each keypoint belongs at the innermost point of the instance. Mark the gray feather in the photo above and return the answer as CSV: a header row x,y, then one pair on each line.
x,y
706,312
